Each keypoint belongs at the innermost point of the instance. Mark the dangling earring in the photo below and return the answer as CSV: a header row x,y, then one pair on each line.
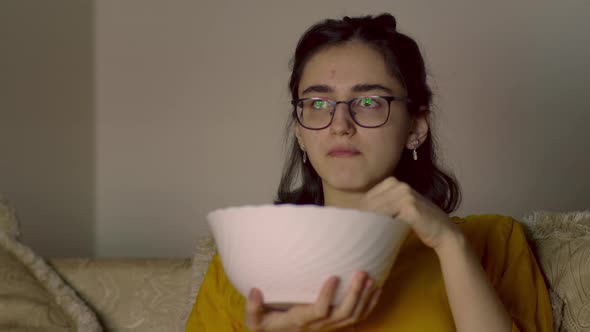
x,y
415,154
304,153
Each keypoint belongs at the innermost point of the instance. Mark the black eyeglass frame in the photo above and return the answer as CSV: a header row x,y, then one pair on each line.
x,y
334,104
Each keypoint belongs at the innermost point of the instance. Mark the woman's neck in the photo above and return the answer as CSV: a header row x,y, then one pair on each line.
x,y
343,199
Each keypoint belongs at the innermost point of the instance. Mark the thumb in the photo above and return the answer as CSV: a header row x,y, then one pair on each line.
x,y
254,309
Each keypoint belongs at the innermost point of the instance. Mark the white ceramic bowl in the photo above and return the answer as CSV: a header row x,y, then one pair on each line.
x,y
289,251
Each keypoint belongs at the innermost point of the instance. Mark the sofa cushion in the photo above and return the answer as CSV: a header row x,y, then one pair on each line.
x,y
32,295
131,294
8,221
561,242
206,249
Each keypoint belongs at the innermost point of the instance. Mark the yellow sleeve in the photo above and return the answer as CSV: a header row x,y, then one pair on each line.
x,y
520,283
218,307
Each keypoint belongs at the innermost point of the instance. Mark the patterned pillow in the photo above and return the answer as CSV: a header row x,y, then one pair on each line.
x,y
8,223
32,295
562,245
206,249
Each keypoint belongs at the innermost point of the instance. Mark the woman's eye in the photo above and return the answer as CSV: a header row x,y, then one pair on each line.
x,y
367,102
319,104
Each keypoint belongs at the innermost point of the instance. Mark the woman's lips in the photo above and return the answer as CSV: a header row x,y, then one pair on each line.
x,y
343,153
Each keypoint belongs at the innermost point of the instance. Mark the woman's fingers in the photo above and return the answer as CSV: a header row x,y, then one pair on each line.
x,y
382,187
327,293
359,300
361,306
382,197
305,315
346,308
364,300
254,310
372,303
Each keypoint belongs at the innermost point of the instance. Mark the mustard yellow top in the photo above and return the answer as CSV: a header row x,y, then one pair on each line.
x,y
414,297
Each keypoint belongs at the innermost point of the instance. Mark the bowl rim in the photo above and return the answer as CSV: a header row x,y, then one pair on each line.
x,y
322,208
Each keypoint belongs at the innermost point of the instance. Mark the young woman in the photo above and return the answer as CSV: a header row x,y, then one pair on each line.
x,y
361,107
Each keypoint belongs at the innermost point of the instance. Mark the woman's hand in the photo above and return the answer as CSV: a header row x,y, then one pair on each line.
x,y
360,300
397,199
461,268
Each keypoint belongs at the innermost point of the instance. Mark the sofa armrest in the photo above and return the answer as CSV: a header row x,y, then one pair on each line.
x,y
132,294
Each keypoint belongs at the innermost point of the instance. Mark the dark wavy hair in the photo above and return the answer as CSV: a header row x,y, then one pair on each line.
x,y
405,62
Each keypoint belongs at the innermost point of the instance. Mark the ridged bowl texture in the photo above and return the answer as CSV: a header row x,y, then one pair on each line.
x,y
289,251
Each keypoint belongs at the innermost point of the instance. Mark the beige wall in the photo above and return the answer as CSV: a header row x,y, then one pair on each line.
x,y
47,122
191,100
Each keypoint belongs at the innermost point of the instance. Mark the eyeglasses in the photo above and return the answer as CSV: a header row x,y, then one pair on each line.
x,y
367,112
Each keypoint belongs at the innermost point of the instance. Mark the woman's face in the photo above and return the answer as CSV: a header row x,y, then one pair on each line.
x,y
340,73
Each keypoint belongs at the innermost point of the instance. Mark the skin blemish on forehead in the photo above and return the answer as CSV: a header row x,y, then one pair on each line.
x,y
332,73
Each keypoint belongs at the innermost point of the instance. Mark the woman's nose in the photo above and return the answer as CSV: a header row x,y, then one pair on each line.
x,y
342,123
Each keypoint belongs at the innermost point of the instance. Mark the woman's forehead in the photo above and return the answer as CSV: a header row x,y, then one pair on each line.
x,y
345,66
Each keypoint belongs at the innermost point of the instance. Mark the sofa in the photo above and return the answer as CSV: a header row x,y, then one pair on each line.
x,y
89,294
141,294
132,294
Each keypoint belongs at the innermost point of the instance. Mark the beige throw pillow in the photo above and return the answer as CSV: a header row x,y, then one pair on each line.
x,y
562,245
206,249
8,223
32,296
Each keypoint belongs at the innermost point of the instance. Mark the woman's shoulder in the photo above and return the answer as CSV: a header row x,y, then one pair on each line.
x,y
488,224
488,219
492,232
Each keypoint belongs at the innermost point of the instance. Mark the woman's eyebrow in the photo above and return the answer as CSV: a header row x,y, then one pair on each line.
x,y
371,87
322,88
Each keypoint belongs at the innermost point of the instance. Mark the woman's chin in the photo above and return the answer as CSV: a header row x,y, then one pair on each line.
x,y
350,185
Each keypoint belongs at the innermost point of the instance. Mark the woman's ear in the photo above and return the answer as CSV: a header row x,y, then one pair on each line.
x,y
418,130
